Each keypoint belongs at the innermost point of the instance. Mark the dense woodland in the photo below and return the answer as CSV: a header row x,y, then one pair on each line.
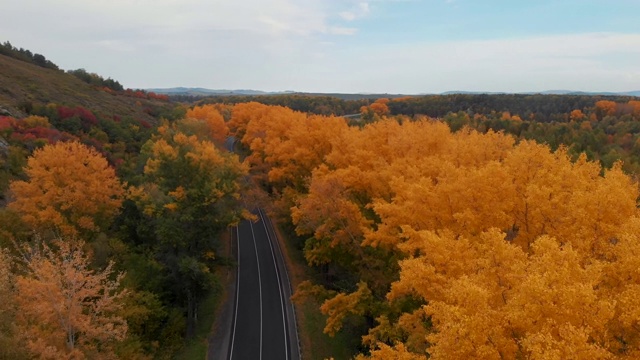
x,y
453,227
456,245
143,249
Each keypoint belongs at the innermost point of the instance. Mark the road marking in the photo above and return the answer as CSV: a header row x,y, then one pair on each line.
x,y
288,282
275,264
235,316
255,246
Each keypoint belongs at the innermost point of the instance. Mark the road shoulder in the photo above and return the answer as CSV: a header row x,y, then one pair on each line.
x,y
219,339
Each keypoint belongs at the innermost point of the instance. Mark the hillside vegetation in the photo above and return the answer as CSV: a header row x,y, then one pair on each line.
x,y
24,85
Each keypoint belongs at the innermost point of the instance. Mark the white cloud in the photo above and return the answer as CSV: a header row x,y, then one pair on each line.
x,y
302,45
337,30
116,45
593,61
347,15
357,11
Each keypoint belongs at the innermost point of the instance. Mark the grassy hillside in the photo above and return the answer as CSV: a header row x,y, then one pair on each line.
x,y
23,84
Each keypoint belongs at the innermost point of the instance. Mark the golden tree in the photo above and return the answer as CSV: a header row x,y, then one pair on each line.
x,y
213,122
606,108
11,344
70,188
65,309
487,229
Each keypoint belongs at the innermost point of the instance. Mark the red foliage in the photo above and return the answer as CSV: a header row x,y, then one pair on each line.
x,y
66,112
85,115
23,137
7,122
160,97
145,124
51,135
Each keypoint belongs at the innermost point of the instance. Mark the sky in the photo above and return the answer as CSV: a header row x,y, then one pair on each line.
x,y
347,46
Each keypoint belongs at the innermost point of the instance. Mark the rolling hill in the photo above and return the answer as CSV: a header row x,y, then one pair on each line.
x,y
23,84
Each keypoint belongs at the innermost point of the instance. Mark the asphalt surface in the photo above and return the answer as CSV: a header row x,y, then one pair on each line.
x,y
263,322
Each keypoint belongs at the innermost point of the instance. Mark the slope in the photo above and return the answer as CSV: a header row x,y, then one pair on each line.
x,y
23,85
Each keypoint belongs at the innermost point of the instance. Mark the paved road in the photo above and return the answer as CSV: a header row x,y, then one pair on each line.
x,y
263,325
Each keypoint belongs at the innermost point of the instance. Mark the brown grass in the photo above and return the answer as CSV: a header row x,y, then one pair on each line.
x,y
21,82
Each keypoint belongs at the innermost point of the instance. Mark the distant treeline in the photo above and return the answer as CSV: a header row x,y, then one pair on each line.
x,y
536,107
96,80
27,56
322,105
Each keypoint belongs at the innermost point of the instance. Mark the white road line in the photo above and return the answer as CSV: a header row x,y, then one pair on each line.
x,y
255,246
275,264
235,316
287,278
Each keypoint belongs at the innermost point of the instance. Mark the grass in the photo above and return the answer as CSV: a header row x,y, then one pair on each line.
x,y
208,308
196,348
314,342
319,345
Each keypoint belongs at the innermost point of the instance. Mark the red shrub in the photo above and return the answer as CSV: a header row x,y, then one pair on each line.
x,y
7,122
65,112
145,124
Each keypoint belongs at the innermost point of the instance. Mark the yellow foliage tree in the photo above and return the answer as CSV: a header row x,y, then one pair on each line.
x,y
490,248
577,115
70,188
214,124
65,309
606,108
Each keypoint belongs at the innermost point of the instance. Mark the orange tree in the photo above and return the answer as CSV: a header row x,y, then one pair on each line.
x,y
70,188
64,308
464,245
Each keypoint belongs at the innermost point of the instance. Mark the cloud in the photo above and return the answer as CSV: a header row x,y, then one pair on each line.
x,y
116,45
357,11
303,45
174,30
590,62
337,30
296,16
347,15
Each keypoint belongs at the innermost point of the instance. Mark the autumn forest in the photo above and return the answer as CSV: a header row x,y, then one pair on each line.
x,y
441,226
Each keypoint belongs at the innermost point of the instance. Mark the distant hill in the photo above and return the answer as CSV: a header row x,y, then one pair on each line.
x,y
550,92
206,92
202,92
23,84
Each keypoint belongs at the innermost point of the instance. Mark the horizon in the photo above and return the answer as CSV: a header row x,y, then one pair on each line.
x,y
449,92
340,46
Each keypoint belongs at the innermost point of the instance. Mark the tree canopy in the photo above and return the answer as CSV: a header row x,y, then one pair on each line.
x,y
69,188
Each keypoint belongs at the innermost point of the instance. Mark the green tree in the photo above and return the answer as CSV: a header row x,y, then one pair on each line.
x,y
190,194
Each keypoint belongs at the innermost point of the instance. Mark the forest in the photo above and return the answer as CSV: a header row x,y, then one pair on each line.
x,y
455,245
444,227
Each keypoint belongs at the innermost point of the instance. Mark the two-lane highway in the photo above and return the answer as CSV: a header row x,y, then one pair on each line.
x,y
263,326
